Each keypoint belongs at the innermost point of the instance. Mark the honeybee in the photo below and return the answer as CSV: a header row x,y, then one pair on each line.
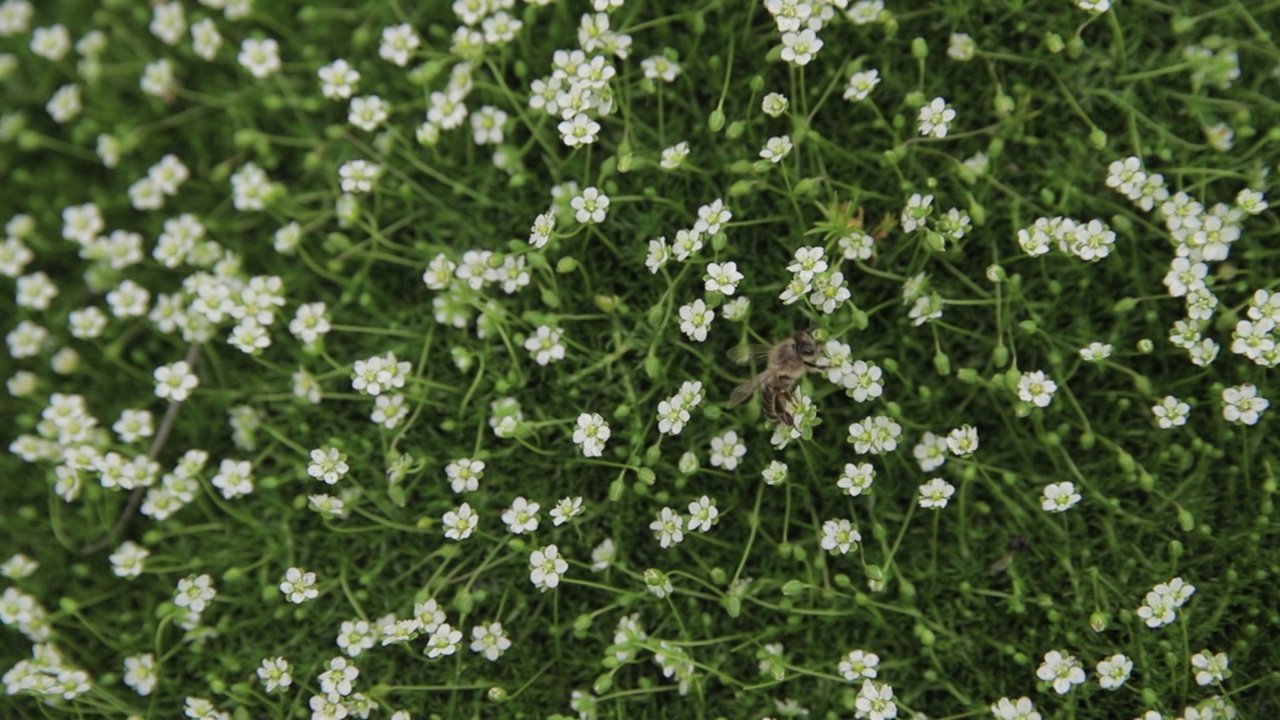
x,y
787,361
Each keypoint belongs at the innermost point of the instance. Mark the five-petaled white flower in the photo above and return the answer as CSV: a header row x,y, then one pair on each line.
x,y
546,567
1034,387
299,586
1242,404
695,320
936,493
1062,671
1059,497
935,118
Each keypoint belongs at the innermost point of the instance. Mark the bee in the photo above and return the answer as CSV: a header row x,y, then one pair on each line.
x,y
787,361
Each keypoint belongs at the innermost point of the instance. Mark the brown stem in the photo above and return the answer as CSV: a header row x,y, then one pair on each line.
x,y
157,444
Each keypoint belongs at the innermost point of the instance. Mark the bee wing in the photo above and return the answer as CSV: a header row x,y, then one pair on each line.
x,y
744,354
747,389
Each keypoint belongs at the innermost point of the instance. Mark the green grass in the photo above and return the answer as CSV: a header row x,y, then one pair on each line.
x,y
1053,95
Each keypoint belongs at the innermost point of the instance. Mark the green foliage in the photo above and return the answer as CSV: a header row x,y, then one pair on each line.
x,y
1051,98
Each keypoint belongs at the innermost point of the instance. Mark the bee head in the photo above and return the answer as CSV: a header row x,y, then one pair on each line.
x,y
806,346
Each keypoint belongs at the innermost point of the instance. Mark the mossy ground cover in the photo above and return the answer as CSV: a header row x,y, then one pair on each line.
x,y
339,332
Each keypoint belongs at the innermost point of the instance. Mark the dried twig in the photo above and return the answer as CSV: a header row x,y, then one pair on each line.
x,y
157,444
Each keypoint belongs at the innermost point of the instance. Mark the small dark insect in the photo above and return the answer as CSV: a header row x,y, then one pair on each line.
x,y
1016,545
787,361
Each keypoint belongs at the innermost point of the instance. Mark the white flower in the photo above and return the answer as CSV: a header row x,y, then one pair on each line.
x,y
1210,668
460,522
175,381
590,206
128,560
234,478
1092,240
1171,412
398,42
839,537
961,47
1062,671
1114,671
1059,497
1242,404
579,130
194,593
875,701
1096,351
367,112
722,278
774,104
464,474
389,410
659,67
64,104
916,214
856,479
299,586
863,381
274,673
546,567
205,39
809,261
260,57
935,118
1034,387
140,673
338,80
489,640
1096,7
727,450
865,12
668,528
51,43
936,493
963,441
545,346
674,156
357,176
858,665
799,48
486,125
712,217
931,452
327,465
861,84
695,320
565,510
1251,201
776,148
1020,709
521,517
703,514
591,434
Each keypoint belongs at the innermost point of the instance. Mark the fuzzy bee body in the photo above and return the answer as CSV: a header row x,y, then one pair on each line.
x,y
787,361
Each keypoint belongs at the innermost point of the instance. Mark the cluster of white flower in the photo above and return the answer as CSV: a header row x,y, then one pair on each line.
x,y
875,435
1092,240
1161,601
668,528
861,380
162,179
1201,236
712,219
799,24
459,280
673,413
578,91
46,674
826,290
